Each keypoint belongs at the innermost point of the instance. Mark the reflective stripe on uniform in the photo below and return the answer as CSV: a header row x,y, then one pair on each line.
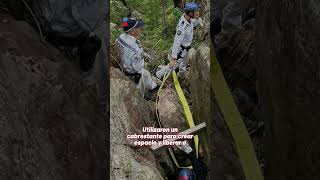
x,y
184,36
122,42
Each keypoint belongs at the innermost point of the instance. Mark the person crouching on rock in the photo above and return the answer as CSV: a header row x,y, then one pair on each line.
x,y
131,52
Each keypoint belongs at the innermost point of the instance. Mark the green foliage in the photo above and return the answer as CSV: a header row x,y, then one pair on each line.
x,y
118,10
151,12
154,36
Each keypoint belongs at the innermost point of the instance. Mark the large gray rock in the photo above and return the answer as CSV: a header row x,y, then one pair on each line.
x,y
238,61
129,114
49,122
220,154
200,93
199,80
170,110
288,59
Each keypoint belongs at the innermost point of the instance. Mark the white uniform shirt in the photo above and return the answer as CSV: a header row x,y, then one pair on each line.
x,y
184,34
131,53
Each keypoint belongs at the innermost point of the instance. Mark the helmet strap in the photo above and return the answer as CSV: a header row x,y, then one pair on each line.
x,y
190,15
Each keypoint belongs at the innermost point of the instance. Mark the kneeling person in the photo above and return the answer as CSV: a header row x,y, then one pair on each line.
x,y
132,61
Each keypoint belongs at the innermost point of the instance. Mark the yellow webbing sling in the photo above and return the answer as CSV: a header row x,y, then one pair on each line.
x,y
233,120
186,109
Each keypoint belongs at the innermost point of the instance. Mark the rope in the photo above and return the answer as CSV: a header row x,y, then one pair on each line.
x,y
165,77
186,111
35,19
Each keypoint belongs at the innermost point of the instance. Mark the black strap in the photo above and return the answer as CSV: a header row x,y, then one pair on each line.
x,y
179,55
187,48
133,76
199,167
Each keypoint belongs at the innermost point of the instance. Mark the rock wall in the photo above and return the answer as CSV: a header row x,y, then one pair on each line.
x,y
200,92
220,155
217,143
236,56
50,126
288,86
170,109
235,50
129,114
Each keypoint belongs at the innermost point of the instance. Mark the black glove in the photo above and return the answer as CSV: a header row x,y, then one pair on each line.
x,y
215,27
199,168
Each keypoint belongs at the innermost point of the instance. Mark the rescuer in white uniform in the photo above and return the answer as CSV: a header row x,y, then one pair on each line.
x,y
131,51
183,39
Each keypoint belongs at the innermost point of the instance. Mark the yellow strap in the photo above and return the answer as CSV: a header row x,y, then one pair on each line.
x,y
233,119
186,109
